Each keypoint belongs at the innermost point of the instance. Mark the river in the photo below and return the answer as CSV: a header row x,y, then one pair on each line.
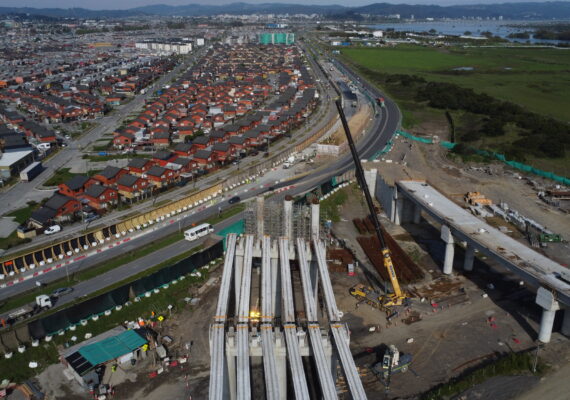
x,y
459,27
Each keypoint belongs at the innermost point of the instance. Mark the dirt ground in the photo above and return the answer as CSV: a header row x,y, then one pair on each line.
x,y
413,160
450,338
471,322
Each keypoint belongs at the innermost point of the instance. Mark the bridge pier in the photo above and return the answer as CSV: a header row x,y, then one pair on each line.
x,y
566,322
469,258
447,237
545,299
417,214
399,210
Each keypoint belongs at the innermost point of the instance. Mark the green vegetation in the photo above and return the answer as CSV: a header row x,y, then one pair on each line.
x,y
512,364
17,368
23,214
102,145
331,206
106,158
12,241
535,78
481,117
61,175
96,270
227,213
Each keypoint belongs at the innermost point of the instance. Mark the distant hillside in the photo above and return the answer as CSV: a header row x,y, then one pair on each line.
x,y
535,11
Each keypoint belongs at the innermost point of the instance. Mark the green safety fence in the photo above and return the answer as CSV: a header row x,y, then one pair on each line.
x,y
501,157
237,228
385,150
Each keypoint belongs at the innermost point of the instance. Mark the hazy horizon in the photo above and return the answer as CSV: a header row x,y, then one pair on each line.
x,y
127,4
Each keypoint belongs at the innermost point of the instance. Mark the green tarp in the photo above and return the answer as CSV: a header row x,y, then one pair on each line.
x,y
112,348
237,228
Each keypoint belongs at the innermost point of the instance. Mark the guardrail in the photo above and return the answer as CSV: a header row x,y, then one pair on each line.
x,y
66,251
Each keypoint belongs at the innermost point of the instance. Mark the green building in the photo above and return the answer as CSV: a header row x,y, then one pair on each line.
x,y
276,38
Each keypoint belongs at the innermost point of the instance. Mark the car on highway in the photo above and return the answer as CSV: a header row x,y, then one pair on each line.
x,y
52,229
61,291
92,217
235,199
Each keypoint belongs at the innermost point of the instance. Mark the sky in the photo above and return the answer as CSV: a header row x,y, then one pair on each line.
x,y
124,4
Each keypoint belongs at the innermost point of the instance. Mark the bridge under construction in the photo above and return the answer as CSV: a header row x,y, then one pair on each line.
x,y
277,331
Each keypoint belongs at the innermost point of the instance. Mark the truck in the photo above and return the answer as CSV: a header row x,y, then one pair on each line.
x,y
31,171
380,101
289,163
392,363
43,302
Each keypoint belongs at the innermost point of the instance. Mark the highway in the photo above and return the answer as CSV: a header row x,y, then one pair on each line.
x,y
384,125
325,113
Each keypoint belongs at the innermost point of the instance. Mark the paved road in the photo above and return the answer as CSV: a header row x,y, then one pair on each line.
x,y
19,194
323,115
385,124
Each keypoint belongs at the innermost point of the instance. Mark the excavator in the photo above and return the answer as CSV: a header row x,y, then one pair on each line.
x,y
389,300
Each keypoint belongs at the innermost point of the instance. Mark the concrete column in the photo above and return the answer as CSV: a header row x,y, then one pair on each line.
x,y
288,217
546,323
546,300
315,220
370,178
566,322
447,237
469,258
259,201
398,213
417,214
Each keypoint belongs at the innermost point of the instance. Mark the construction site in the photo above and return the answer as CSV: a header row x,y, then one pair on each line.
x,y
390,300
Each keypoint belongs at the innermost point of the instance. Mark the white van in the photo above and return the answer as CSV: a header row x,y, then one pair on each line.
x,y
198,231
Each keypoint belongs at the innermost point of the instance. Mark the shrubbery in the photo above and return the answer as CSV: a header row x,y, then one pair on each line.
x,y
541,136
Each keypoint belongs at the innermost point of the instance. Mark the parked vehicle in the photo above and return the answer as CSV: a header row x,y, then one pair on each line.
x,y
52,229
235,199
61,292
31,171
43,302
92,217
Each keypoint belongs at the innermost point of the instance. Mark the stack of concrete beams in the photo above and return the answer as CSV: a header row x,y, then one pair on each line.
x,y
234,339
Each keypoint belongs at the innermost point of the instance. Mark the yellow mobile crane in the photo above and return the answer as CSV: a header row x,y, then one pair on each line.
x,y
390,299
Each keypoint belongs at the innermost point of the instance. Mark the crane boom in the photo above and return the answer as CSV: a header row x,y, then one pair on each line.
x,y
398,296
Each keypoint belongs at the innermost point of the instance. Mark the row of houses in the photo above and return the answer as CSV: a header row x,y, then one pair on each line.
x,y
26,129
57,102
228,84
273,95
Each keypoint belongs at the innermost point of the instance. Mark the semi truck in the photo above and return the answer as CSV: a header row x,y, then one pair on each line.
x,y
31,171
43,302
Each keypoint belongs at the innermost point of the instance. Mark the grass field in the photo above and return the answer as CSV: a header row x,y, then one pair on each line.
x,y
538,79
